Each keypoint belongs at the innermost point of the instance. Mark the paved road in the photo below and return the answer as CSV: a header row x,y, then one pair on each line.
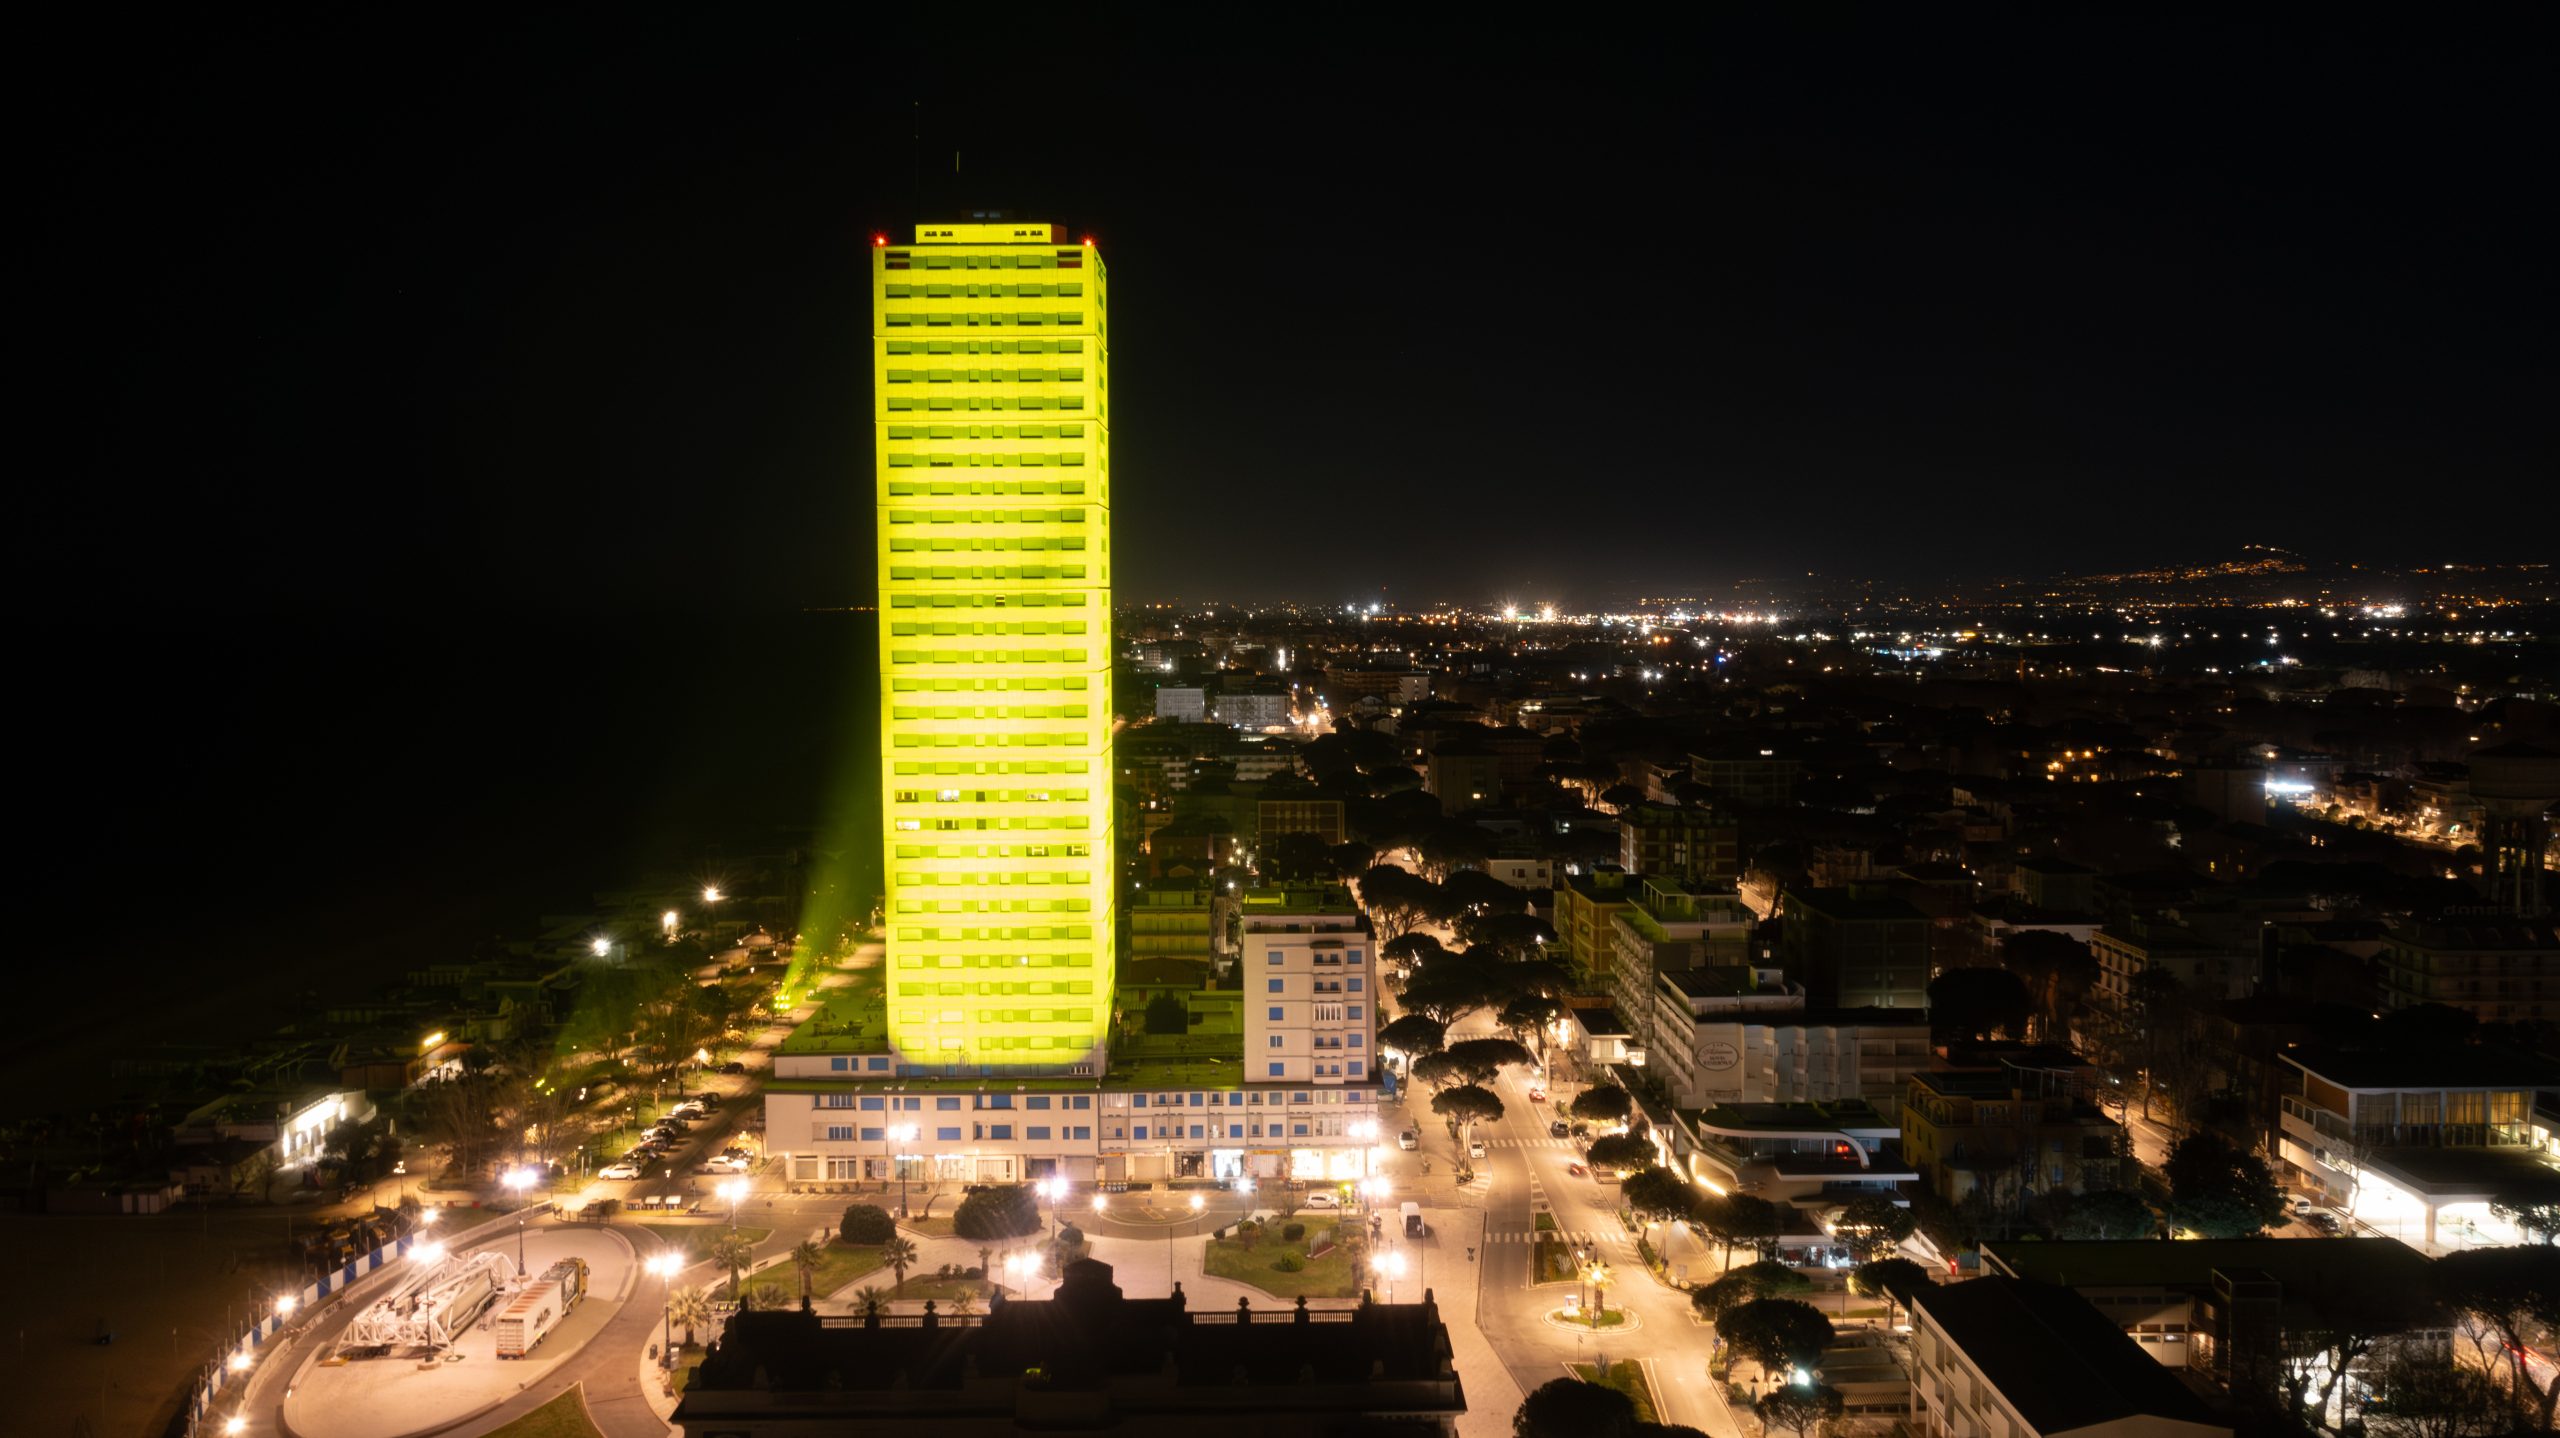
x,y
1524,1174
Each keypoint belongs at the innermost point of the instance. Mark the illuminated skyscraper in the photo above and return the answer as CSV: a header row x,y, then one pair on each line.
x,y
991,427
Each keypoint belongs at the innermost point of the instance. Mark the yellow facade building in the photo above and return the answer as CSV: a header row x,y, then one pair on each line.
x,y
991,431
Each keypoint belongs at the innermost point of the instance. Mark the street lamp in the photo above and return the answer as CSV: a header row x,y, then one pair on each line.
x,y
1389,1266
665,1265
904,1133
601,948
1022,1268
516,1181
235,1424
284,1305
1101,1204
731,1190
1366,1130
711,894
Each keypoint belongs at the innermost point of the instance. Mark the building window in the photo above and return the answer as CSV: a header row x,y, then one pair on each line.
x,y
1275,1015
1278,1069
1080,1131
1140,1131
874,1135
1037,1101
948,1134
1036,1133
839,1065
1275,1041
871,1104
1275,986
1000,1130
946,1104
839,1133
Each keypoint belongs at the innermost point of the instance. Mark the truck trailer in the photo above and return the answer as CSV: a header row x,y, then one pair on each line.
x,y
540,1308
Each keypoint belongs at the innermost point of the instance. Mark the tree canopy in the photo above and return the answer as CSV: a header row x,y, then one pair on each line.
x,y
1872,1225
1486,1057
2220,1191
1777,1333
1467,1103
1658,1194
2108,1213
1797,1407
1973,1003
998,1215
1738,1220
1747,1284
1621,1151
1414,1035
1602,1103
1572,1408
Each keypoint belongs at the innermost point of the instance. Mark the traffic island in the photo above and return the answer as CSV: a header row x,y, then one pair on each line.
x,y
1584,1320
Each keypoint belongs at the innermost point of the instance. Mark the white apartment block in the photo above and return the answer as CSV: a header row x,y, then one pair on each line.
x,y
1310,994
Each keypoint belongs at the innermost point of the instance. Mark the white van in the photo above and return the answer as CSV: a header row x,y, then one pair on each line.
x,y
1413,1225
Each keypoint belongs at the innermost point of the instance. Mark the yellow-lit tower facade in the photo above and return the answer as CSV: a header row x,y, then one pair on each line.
x,y
991,436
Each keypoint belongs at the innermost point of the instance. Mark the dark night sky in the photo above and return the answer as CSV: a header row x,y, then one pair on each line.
x,y
570,313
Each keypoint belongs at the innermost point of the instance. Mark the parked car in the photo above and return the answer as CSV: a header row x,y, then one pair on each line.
x,y
1558,1129
1323,1198
2324,1223
1408,1140
733,1067
620,1170
2301,1207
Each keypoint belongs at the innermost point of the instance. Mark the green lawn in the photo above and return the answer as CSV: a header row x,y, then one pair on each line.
x,y
930,1227
844,1263
1610,1319
1546,1223
1332,1276
695,1239
1555,1261
1627,1378
562,1417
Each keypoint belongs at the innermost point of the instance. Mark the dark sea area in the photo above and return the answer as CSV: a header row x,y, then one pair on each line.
x,y
223,823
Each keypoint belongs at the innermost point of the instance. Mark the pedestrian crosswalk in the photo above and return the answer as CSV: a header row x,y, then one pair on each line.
x,y
1580,1238
1564,1143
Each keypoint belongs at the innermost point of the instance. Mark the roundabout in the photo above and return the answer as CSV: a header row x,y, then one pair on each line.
x,y
1574,1319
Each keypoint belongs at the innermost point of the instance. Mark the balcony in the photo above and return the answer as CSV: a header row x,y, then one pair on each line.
x,y
2316,1126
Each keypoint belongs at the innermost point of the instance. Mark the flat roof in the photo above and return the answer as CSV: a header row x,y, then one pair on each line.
x,y
1780,1117
2058,1361
2424,1068
2307,1267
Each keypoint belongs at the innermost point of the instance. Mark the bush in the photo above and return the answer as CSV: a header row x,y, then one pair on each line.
x,y
1070,1236
973,1271
1293,1231
867,1223
1289,1263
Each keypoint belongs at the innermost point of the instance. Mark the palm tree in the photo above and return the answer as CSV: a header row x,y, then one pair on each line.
x,y
962,1306
690,1308
806,1258
899,1253
869,1304
733,1252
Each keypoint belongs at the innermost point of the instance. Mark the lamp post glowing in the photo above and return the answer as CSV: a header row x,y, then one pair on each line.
x,y
517,1180
665,1265
1197,1203
601,948
904,1133
731,1190
1366,1130
1389,1266
284,1305
235,1424
711,894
